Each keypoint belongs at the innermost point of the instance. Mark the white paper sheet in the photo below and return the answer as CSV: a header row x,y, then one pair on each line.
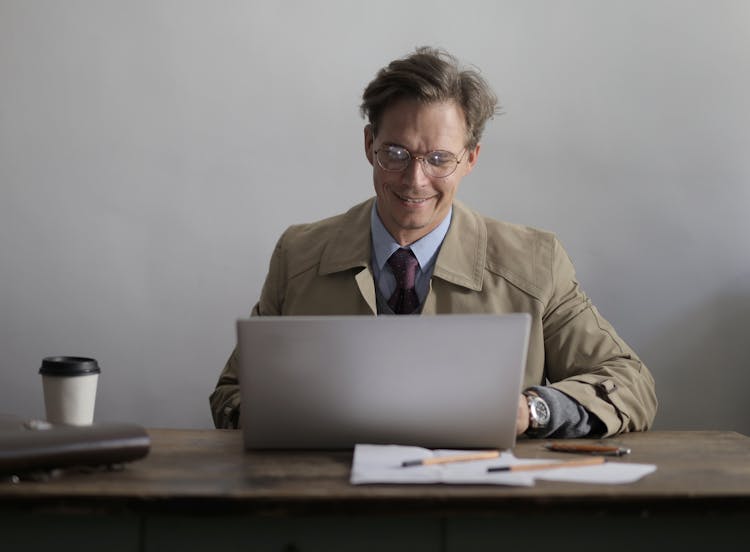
x,y
382,464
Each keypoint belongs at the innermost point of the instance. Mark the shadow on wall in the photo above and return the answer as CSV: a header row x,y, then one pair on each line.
x,y
701,367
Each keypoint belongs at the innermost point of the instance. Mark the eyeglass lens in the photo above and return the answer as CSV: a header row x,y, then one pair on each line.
x,y
437,163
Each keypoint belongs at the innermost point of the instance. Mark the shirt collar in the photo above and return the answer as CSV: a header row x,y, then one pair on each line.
x,y
425,249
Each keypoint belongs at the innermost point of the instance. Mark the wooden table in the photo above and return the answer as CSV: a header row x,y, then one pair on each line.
x,y
198,490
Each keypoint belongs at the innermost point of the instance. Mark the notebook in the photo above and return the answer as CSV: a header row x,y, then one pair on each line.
x,y
331,382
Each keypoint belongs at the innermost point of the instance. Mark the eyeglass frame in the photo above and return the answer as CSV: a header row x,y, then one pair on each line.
x,y
421,158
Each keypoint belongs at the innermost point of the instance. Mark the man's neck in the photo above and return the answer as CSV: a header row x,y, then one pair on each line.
x,y
407,236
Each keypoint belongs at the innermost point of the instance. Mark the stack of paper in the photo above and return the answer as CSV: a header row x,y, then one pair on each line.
x,y
384,464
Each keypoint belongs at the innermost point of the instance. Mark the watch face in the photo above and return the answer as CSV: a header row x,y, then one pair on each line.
x,y
539,411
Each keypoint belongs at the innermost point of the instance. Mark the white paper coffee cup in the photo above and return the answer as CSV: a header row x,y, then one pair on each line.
x,y
69,389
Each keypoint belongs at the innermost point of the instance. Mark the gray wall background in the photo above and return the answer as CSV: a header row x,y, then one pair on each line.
x,y
152,151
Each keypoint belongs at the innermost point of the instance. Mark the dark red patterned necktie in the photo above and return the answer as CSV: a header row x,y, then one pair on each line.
x,y
404,265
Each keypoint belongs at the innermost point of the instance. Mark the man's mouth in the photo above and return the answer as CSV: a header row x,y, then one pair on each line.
x,y
412,200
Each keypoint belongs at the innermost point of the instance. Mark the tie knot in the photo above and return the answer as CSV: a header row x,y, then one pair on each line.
x,y
404,265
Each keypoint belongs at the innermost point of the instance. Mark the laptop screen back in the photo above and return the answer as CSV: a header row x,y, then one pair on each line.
x,y
331,382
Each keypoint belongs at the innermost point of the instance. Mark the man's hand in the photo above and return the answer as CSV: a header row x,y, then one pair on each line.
x,y
522,417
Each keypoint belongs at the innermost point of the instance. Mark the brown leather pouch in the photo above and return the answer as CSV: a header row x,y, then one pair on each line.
x,y
28,446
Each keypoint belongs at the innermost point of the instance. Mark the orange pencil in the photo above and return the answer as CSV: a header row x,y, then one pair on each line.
x,y
452,458
549,466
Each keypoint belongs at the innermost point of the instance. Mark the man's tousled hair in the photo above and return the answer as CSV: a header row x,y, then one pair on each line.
x,y
431,75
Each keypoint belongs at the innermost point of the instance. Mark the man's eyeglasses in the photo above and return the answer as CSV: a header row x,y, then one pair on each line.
x,y
437,164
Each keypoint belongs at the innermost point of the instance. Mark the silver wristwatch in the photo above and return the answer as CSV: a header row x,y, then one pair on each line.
x,y
539,414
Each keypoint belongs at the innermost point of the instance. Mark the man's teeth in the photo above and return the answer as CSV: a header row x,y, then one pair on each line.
x,y
413,200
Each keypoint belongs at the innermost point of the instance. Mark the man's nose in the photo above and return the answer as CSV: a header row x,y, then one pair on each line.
x,y
414,174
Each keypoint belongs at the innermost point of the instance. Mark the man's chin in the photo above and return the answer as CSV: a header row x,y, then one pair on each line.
x,y
412,224
411,230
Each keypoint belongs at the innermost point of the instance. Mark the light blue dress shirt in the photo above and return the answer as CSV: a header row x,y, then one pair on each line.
x,y
425,250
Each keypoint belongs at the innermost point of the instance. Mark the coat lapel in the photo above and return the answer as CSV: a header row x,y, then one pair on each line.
x,y
351,249
463,255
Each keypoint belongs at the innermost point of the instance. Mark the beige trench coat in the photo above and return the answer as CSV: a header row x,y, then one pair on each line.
x,y
484,266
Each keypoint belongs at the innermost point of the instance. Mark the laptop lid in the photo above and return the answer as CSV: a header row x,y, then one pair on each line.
x,y
444,381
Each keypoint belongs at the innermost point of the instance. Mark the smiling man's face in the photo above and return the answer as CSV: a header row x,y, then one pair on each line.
x,y
410,203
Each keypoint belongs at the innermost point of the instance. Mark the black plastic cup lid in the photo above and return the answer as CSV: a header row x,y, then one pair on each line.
x,y
69,366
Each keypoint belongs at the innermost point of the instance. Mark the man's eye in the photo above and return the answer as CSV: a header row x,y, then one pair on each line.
x,y
439,158
397,154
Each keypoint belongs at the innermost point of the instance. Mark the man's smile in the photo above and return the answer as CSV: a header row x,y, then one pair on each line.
x,y
413,200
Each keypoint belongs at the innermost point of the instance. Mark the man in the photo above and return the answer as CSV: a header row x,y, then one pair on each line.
x,y
415,249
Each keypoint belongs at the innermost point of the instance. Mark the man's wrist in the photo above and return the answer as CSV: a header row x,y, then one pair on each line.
x,y
539,413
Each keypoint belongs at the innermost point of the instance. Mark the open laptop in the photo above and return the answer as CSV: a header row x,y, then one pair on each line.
x,y
444,381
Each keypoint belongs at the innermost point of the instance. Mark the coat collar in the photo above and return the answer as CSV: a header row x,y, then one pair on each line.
x,y
351,245
463,255
461,259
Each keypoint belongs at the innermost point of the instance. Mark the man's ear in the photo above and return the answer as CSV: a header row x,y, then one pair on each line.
x,y
471,158
369,139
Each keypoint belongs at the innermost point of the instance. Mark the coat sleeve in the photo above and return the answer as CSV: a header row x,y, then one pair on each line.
x,y
588,361
225,399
